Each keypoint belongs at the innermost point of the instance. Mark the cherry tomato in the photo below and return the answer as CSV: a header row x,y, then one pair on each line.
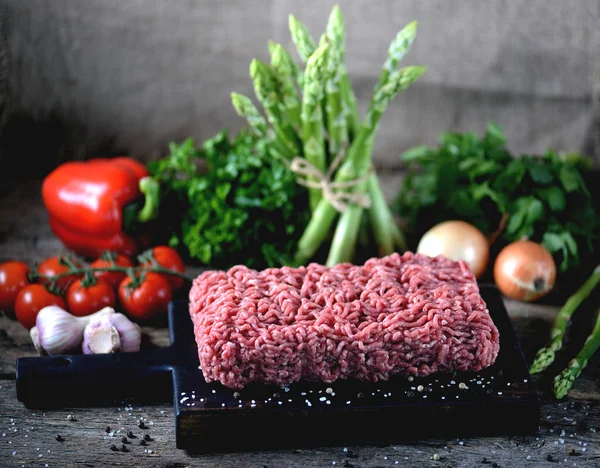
x,y
149,299
31,299
167,257
52,267
112,277
85,300
13,278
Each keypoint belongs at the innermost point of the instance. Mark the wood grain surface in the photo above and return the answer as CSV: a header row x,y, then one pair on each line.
x,y
567,432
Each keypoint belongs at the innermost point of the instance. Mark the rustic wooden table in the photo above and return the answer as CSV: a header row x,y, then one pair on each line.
x,y
567,432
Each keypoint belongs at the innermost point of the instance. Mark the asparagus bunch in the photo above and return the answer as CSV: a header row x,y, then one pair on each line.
x,y
312,113
545,356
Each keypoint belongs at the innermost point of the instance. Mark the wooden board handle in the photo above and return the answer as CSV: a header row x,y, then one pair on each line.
x,y
95,380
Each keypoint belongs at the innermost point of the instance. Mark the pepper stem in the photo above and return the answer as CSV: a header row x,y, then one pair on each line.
x,y
151,189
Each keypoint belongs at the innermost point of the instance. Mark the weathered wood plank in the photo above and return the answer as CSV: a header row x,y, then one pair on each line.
x,y
567,432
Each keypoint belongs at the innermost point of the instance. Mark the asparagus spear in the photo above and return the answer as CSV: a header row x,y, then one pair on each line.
x,y
545,356
267,91
564,381
383,95
312,114
382,221
285,69
245,108
397,50
296,70
344,239
302,38
357,162
337,32
334,109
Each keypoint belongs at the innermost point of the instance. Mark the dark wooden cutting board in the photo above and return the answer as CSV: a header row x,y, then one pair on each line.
x,y
500,400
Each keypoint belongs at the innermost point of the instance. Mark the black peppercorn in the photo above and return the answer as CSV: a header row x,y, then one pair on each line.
x,y
142,425
549,458
59,438
142,442
107,430
130,435
124,440
124,449
147,438
114,448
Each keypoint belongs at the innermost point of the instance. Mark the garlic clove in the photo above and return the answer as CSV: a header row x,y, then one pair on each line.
x,y
35,338
104,311
129,332
59,332
108,333
104,340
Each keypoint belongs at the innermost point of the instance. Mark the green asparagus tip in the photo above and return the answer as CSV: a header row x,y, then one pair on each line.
x,y
238,101
410,30
301,37
562,383
406,76
543,359
335,17
254,66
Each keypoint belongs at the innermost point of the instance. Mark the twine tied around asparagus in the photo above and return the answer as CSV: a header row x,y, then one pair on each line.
x,y
334,192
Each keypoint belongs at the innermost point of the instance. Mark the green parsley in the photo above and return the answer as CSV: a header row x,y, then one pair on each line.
x,y
540,197
230,202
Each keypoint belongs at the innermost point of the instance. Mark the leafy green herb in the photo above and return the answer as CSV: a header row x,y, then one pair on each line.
x,y
232,202
540,197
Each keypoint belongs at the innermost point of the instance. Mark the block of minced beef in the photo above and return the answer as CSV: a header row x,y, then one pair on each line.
x,y
401,314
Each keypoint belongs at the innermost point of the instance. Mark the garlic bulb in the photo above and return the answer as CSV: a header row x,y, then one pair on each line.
x,y
111,333
59,332
35,338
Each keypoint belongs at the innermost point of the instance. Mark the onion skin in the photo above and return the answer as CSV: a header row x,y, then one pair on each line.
x,y
457,240
525,271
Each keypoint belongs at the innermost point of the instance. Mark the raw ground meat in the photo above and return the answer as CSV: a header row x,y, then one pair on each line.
x,y
401,314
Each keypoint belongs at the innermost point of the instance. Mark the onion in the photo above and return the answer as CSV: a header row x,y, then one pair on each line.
x,y
457,240
525,271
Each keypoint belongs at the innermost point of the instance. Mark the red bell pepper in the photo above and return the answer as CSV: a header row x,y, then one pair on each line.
x,y
94,205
